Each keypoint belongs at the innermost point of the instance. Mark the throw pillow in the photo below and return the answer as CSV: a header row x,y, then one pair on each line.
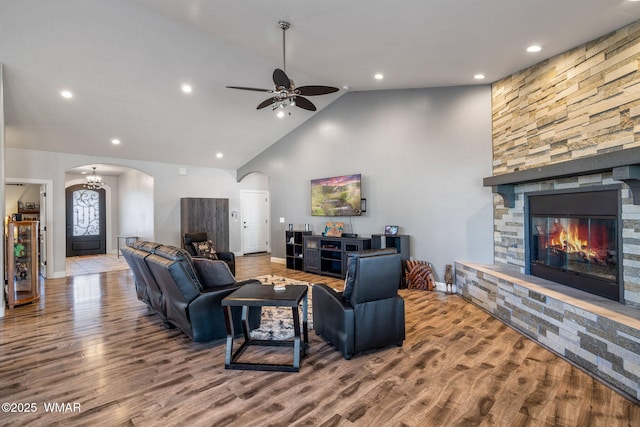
x,y
205,249
420,275
213,274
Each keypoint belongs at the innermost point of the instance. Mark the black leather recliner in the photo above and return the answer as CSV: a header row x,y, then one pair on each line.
x,y
187,243
369,313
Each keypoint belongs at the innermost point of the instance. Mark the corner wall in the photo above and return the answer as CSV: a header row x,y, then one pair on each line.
x,y
422,154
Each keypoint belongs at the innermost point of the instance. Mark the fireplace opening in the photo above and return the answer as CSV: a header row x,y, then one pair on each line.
x,y
573,240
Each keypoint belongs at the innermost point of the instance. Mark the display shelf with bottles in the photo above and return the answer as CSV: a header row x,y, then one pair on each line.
x,y
22,283
29,211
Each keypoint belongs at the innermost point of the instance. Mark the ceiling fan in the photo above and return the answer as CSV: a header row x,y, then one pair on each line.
x,y
285,91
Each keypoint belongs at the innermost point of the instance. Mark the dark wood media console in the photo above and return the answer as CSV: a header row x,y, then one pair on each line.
x,y
327,256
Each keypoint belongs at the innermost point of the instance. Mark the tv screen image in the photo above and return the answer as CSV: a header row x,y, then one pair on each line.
x,y
336,196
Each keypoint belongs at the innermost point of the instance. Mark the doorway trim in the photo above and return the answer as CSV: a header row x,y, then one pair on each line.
x,y
48,216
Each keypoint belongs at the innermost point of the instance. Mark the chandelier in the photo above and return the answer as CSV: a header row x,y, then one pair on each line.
x,y
94,182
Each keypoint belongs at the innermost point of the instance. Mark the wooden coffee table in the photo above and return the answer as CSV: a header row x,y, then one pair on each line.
x,y
259,295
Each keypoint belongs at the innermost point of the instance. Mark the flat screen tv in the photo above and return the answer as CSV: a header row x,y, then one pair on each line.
x,y
336,196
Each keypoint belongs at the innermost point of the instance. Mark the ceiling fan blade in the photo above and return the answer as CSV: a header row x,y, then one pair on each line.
x,y
266,103
316,90
280,79
249,88
305,103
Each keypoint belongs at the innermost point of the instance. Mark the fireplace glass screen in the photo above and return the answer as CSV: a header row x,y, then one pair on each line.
x,y
584,246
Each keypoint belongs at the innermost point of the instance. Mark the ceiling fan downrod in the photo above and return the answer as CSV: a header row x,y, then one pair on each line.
x,y
285,26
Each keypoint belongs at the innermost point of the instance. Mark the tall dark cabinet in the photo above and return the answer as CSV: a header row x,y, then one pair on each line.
x,y
206,215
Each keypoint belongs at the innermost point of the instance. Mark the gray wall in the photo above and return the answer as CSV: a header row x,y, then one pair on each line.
x,y
422,154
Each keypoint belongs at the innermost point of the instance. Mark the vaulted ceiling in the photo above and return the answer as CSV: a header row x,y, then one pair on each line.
x,y
125,61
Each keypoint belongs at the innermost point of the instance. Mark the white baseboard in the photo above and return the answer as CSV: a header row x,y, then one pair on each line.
x,y
278,260
441,286
58,275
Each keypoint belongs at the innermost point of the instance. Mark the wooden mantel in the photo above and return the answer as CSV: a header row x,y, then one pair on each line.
x,y
624,164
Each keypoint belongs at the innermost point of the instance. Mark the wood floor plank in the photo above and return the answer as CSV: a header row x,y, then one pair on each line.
x,y
89,340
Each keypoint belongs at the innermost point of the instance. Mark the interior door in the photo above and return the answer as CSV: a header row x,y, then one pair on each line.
x,y
42,253
86,221
255,221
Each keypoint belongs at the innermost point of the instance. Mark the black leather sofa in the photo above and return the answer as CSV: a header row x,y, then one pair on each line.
x,y
369,313
186,292
189,238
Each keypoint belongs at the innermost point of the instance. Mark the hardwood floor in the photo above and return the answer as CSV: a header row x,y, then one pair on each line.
x,y
89,342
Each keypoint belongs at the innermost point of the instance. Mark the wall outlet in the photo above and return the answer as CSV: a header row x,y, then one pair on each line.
x,y
281,220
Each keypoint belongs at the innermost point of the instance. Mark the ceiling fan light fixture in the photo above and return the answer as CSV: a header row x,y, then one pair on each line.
x,y
280,114
284,88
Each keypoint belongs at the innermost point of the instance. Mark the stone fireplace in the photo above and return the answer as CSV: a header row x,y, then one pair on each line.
x,y
596,200
580,220
564,274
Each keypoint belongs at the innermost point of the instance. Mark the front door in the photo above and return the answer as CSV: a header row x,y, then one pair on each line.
x,y
86,219
255,221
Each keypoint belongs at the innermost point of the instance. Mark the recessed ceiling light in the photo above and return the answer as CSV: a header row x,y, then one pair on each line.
x,y
345,87
186,88
115,141
219,155
66,94
378,76
479,76
534,48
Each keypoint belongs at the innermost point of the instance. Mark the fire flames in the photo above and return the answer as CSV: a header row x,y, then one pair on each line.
x,y
570,241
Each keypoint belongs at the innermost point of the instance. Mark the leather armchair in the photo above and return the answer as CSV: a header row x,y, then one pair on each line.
x,y
189,238
369,313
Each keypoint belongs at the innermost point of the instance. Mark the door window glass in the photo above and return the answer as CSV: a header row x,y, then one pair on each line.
x,y
86,213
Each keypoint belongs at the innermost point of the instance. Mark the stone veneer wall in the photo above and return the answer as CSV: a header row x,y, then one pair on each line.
x,y
605,343
580,103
